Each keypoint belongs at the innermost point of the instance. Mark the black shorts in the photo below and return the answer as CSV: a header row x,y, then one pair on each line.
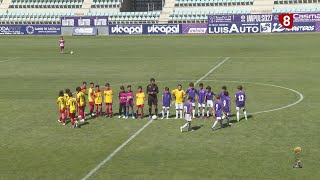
x,y
152,101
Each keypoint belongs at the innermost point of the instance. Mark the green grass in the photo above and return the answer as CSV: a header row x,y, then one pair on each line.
x,y
35,146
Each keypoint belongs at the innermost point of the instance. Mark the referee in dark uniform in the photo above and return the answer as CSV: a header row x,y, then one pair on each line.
x,y
152,90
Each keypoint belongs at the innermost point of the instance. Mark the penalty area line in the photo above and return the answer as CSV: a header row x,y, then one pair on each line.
x,y
95,169
10,59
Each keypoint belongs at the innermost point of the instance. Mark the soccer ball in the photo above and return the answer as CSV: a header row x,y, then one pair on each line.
x,y
297,150
154,117
71,52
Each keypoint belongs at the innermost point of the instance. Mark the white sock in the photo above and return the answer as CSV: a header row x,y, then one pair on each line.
x,y
162,112
245,114
238,116
184,125
193,113
168,113
208,113
180,113
214,125
198,111
202,112
177,113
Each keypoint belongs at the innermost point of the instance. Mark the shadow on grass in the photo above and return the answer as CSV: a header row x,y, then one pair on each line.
x,y
83,124
195,128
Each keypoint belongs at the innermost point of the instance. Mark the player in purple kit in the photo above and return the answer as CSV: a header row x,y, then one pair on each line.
x,y
192,92
166,100
188,114
201,100
129,103
224,88
122,101
240,102
209,97
217,108
61,43
226,107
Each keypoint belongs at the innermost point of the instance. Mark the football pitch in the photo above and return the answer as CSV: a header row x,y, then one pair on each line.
x,y
280,75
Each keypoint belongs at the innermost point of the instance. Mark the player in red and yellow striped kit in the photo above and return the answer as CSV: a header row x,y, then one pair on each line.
x,y
62,107
98,100
108,98
72,110
91,97
140,98
84,88
66,98
81,101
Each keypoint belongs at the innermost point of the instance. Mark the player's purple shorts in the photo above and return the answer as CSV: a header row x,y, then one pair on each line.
x,y
240,104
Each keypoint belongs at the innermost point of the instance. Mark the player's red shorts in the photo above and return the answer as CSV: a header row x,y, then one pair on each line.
x,y
91,103
108,104
61,47
140,106
72,115
99,104
81,108
62,111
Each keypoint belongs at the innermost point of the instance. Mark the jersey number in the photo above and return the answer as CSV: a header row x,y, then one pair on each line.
x,y
224,103
217,107
241,98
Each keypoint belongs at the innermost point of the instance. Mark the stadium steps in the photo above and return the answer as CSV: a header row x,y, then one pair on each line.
x,y
4,5
86,5
166,11
262,6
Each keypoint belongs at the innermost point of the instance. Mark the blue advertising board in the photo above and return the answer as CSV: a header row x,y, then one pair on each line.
x,y
260,23
240,18
30,29
122,29
74,21
234,28
162,29
131,29
297,27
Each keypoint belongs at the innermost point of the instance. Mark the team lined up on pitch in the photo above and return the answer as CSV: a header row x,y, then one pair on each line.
x,y
185,103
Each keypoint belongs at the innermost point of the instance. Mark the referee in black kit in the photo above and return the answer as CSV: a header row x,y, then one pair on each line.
x,y
152,90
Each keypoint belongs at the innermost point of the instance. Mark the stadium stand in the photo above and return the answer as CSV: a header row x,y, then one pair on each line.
x,y
192,3
174,11
290,6
45,4
106,4
196,11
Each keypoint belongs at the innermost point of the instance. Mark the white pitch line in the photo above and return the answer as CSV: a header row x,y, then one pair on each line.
x,y
301,97
214,68
10,59
95,169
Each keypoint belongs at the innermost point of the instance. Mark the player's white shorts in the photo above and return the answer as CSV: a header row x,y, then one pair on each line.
x,y
193,104
163,107
201,105
218,118
239,108
188,117
209,103
179,106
